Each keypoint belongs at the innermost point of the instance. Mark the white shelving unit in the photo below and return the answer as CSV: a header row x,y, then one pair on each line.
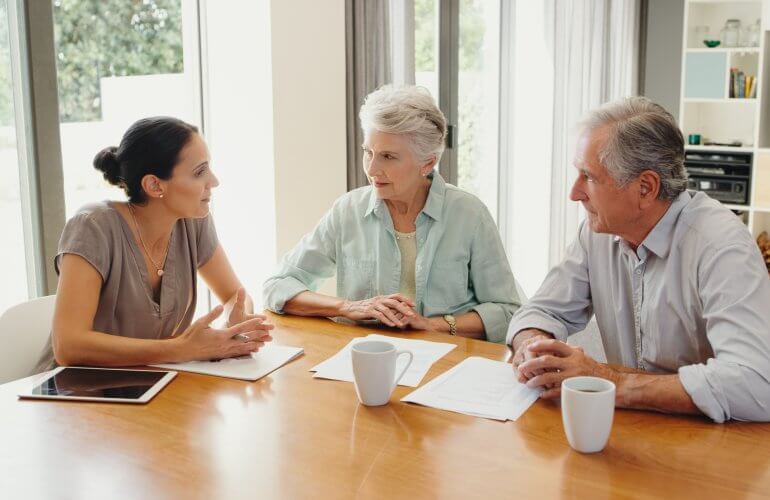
x,y
731,50
705,105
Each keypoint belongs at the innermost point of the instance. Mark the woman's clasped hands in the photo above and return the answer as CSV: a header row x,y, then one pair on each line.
x,y
395,310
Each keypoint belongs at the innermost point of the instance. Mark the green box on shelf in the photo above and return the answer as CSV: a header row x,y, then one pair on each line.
x,y
705,75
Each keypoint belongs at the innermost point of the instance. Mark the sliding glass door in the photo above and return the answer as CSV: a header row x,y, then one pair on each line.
x,y
457,58
478,98
12,250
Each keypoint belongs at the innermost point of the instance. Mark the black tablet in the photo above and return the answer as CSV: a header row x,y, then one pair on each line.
x,y
99,384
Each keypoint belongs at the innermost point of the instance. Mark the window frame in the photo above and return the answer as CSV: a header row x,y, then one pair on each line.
x,y
448,70
448,35
36,110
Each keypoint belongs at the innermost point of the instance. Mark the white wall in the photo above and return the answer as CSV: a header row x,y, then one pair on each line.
x,y
308,53
239,131
275,124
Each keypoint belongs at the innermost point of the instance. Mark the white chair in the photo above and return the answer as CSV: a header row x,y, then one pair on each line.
x,y
24,331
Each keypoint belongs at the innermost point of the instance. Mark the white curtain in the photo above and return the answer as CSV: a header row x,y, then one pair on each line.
x,y
595,46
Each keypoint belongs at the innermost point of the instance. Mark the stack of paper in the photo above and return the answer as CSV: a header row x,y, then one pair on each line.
x,y
479,387
340,367
253,367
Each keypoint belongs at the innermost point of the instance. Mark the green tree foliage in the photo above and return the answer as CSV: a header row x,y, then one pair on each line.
x,y
472,32
101,38
471,35
424,35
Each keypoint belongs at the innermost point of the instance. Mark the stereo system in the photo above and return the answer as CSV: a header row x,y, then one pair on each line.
x,y
724,176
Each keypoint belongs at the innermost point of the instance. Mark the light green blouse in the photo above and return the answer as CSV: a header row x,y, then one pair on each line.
x,y
460,265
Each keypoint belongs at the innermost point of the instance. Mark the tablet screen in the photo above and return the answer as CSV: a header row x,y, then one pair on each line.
x,y
98,383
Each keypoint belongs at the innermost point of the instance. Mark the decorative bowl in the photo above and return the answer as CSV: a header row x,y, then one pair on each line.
x,y
711,43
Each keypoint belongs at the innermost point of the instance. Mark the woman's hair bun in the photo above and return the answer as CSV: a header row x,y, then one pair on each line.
x,y
106,161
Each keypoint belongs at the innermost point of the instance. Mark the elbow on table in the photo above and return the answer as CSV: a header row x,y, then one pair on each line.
x,y
759,409
65,358
750,400
269,298
756,407
64,352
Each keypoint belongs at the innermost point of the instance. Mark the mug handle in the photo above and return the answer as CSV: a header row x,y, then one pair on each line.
x,y
403,371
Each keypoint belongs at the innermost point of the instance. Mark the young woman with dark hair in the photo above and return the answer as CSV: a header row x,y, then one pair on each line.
x,y
128,270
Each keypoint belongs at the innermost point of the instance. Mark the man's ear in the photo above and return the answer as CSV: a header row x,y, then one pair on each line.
x,y
649,188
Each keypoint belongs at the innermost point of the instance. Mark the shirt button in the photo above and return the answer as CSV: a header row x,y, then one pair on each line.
x,y
638,271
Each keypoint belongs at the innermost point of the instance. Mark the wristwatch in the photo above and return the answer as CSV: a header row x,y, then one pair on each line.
x,y
452,323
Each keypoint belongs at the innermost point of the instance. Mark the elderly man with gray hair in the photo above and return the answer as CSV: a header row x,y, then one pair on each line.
x,y
409,251
678,287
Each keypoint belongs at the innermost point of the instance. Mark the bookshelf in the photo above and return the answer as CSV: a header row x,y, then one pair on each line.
x,y
707,106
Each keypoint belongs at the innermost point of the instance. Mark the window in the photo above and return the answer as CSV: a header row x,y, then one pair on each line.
x,y
478,99
425,49
119,61
116,62
466,86
12,251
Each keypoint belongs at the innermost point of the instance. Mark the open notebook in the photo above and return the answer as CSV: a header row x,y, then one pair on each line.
x,y
253,367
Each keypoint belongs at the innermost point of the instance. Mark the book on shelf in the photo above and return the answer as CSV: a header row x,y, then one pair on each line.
x,y
742,86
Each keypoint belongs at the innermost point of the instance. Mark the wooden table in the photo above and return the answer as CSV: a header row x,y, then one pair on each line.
x,y
292,436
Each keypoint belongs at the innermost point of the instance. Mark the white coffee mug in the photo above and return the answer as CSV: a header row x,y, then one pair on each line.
x,y
374,369
587,408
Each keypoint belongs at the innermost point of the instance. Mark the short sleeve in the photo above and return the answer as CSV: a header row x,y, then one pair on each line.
x,y
206,239
83,235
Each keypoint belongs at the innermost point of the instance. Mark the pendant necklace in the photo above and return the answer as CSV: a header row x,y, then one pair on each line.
x,y
158,268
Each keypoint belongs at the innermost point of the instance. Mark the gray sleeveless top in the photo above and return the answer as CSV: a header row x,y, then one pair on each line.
x,y
100,235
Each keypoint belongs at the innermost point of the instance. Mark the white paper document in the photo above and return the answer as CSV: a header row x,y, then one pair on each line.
x,y
340,366
253,367
479,387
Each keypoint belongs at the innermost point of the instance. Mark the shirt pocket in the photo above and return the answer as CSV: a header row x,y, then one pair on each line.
x,y
356,278
448,284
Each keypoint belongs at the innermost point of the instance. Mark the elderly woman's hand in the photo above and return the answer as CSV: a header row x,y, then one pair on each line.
x,y
418,322
391,310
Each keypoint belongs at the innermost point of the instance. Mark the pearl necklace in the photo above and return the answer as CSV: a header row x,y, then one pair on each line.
x,y
158,268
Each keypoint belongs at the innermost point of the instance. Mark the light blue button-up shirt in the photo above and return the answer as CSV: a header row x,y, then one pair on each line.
x,y
693,299
461,265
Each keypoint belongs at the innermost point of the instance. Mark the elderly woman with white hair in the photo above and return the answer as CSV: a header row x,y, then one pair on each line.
x,y
409,251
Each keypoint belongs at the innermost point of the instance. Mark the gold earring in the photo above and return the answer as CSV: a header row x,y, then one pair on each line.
x,y
161,195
